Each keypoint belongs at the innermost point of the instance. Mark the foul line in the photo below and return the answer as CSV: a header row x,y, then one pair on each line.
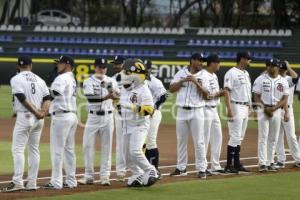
x,y
161,167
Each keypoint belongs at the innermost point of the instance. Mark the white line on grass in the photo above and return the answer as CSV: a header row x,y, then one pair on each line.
x,y
161,167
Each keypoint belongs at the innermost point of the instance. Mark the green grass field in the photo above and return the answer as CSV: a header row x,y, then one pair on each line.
x,y
167,110
275,187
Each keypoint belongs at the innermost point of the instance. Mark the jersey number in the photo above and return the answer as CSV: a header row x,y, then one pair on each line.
x,y
32,88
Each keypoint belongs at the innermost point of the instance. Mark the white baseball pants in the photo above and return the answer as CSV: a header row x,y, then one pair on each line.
x,y
151,142
135,157
103,126
190,121
27,131
237,127
120,155
213,135
288,129
268,130
62,146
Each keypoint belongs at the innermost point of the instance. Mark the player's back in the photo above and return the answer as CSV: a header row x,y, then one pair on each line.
x,y
32,86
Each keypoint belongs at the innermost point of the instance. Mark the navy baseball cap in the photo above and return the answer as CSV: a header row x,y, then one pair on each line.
x,y
148,64
100,62
282,65
273,62
24,60
118,60
244,54
66,60
198,56
213,58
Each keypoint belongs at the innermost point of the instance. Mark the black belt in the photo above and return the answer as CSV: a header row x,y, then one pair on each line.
x,y
241,103
269,106
100,112
210,106
61,111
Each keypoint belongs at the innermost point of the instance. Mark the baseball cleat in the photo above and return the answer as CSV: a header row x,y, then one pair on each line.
x,y
135,181
262,168
85,181
12,187
66,185
121,178
279,165
272,168
150,177
208,172
231,170
201,175
241,168
49,186
105,181
178,172
29,187
297,164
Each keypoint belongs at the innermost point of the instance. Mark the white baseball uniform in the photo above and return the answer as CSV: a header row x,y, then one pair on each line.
x,y
120,156
189,119
62,130
298,90
272,91
135,128
28,128
212,123
288,128
239,83
157,89
100,121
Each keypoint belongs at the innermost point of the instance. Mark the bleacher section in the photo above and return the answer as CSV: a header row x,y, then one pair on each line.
x,y
155,43
94,40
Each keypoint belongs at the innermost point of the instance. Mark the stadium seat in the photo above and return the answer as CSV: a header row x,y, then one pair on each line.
x,y
99,29
92,29
288,32
86,29
37,28
52,29
1,50
72,29
133,30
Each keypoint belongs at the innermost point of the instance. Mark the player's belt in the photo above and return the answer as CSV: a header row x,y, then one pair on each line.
x,y
189,108
206,106
100,112
269,106
61,112
241,103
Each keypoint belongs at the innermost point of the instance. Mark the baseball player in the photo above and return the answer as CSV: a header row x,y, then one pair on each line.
x,y
287,125
136,106
271,95
159,94
31,103
212,125
63,126
190,103
120,157
99,90
238,101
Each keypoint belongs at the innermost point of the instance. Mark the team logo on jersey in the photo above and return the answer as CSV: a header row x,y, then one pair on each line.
x,y
133,98
280,87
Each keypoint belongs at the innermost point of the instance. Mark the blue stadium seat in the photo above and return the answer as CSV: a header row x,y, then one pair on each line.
x,y
234,43
29,39
93,40
220,43
1,50
86,40
100,41
58,39
242,43
66,40
264,43
83,52
76,51
227,43
78,40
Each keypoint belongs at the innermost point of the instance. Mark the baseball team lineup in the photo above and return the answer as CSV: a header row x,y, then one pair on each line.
x,y
129,104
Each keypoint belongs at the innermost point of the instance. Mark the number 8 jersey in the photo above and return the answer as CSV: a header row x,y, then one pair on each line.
x,y
32,86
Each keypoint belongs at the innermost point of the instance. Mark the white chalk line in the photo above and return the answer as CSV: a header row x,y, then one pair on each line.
x,y
161,167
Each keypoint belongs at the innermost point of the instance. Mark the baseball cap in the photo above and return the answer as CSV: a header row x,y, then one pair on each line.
x,y
282,65
24,60
66,60
148,64
100,62
118,60
244,54
273,62
213,58
198,56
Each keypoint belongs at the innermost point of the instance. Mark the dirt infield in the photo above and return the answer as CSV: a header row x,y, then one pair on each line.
x,y
167,146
